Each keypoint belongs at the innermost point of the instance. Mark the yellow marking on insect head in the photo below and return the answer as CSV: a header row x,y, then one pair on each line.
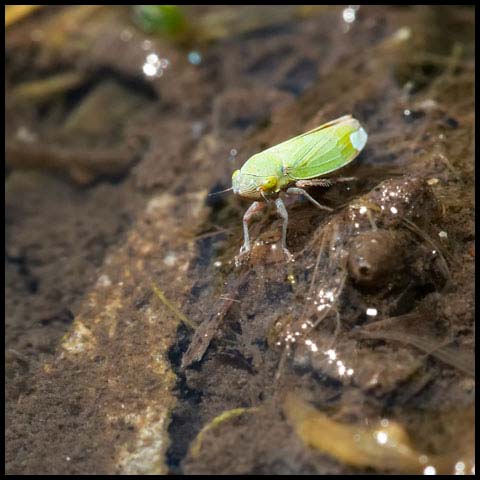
x,y
269,184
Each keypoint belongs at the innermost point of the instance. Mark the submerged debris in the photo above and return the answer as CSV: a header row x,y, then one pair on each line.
x,y
224,416
161,296
209,328
383,444
374,319
38,91
15,13
166,19
418,330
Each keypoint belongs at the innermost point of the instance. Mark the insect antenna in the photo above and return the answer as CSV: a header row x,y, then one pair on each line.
x,y
218,193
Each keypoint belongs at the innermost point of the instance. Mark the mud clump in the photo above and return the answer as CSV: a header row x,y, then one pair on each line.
x,y
373,256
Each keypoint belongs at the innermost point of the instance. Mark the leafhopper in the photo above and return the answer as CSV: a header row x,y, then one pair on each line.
x,y
295,164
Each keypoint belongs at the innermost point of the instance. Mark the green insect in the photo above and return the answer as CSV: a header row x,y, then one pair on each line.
x,y
298,162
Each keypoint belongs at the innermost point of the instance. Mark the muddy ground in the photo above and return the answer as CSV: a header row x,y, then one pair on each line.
x,y
135,343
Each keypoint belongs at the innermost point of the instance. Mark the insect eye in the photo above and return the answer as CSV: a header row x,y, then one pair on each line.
x,y
235,173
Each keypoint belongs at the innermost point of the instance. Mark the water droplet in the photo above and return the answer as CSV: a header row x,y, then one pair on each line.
x,y
194,57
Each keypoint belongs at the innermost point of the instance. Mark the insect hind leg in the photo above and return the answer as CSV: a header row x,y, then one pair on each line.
x,y
317,182
323,182
301,191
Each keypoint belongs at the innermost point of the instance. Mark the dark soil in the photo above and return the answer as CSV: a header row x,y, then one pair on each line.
x,y
129,327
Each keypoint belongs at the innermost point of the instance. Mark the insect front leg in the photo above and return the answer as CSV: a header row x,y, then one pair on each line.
x,y
301,191
282,211
254,208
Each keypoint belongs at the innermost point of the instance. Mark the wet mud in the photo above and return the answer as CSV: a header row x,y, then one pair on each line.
x,y
134,341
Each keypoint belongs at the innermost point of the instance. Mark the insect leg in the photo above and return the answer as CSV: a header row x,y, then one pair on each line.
x,y
252,210
323,182
317,182
301,191
282,211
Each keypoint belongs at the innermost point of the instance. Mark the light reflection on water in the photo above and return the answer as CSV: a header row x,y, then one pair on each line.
x,y
154,66
349,15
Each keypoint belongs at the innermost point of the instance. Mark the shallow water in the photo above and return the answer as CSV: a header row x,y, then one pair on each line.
x,y
129,327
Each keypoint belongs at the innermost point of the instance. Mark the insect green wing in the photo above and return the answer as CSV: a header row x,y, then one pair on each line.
x,y
322,150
